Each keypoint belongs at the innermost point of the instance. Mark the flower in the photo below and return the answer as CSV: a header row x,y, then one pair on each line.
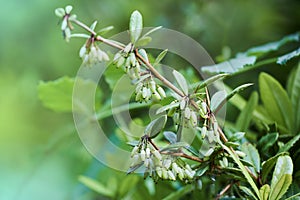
x,y
66,26
91,54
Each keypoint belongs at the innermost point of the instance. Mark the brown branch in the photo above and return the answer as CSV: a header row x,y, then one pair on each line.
x,y
180,154
224,191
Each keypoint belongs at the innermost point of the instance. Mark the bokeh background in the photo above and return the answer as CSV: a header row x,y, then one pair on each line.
x,y
41,156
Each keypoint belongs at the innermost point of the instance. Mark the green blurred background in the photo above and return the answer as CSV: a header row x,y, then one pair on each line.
x,y
41,156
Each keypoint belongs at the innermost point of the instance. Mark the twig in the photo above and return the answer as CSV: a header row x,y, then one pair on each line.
x,y
224,191
180,154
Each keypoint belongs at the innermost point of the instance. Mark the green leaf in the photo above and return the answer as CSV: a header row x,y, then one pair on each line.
x,y
144,41
269,164
282,177
272,46
220,101
160,57
230,66
211,80
264,192
135,26
170,136
281,187
267,141
181,82
286,147
155,127
152,31
217,99
295,97
167,107
243,169
96,186
282,60
248,192
293,197
244,119
179,193
252,156
175,146
104,30
276,101
57,95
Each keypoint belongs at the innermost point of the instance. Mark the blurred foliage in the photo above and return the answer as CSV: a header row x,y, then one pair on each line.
x,y
40,151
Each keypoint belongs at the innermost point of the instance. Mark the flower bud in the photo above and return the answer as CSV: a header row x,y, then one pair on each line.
x,y
203,132
175,167
64,25
127,48
182,104
135,160
167,163
171,175
120,61
156,96
204,107
147,152
132,59
138,96
152,85
146,163
194,118
137,70
117,57
143,155
210,135
187,113
82,51
134,150
157,154
144,92
165,173
159,172
127,63
67,34
181,173
60,12
104,56
161,91
68,9
189,174
144,54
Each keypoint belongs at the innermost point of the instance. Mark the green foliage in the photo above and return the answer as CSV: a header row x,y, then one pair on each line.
x,y
276,101
295,95
282,177
248,60
135,26
156,126
192,115
252,157
245,117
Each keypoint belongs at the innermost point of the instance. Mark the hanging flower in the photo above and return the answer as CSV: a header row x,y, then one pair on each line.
x,y
91,54
66,26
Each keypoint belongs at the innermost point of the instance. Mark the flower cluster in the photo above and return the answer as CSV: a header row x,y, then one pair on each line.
x,y
183,113
66,26
92,54
146,89
126,60
161,166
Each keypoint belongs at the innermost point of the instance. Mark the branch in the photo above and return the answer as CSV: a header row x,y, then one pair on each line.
x,y
180,154
98,37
